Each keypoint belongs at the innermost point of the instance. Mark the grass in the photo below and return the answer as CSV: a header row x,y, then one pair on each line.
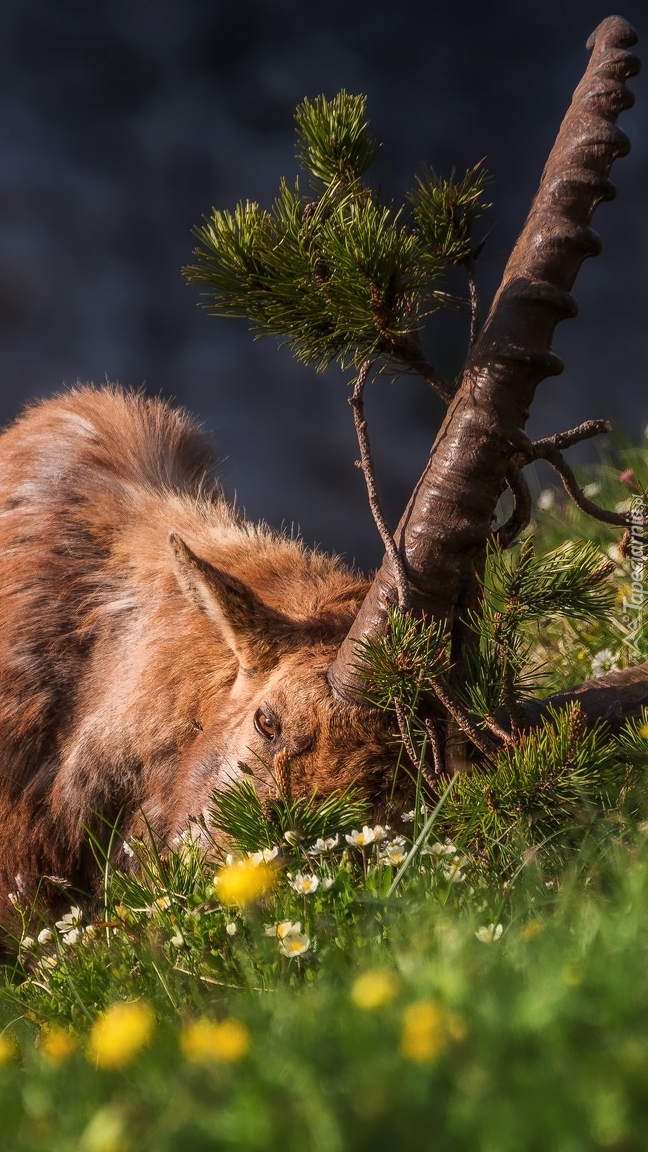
x,y
455,1013
340,987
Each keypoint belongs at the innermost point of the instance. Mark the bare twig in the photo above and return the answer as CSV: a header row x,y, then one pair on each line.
x,y
453,705
409,351
417,762
522,507
498,731
562,440
435,745
434,380
475,313
570,484
404,732
367,465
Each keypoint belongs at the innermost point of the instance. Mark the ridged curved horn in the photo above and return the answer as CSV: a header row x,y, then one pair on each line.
x,y
443,531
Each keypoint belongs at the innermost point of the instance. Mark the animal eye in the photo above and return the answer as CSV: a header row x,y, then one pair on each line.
x,y
265,724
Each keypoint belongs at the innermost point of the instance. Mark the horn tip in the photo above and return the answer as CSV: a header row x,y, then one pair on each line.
x,y
616,31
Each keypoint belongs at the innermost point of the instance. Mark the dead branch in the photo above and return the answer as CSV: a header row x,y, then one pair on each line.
x,y
571,486
404,734
367,465
408,350
562,440
435,745
452,704
473,296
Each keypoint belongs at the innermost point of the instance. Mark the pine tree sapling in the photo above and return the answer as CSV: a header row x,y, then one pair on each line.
x,y
341,275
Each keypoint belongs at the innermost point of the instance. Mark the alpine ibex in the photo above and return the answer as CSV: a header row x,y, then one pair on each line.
x,y
151,640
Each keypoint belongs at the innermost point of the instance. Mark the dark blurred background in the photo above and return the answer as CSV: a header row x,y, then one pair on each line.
x,y
123,122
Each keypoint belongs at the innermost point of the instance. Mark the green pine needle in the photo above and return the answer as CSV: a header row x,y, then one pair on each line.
x,y
445,211
334,144
251,823
341,277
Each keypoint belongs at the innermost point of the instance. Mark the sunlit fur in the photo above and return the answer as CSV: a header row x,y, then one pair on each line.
x,y
119,694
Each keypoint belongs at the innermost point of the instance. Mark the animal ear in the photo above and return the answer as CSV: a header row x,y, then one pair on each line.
x,y
253,631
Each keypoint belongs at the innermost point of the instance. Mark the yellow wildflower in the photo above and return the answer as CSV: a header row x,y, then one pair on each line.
x,y
57,1045
205,1040
374,988
643,731
8,1048
242,882
572,975
119,1034
428,1028
531,929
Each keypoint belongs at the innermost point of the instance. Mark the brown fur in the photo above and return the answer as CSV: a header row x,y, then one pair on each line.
x,y
142,623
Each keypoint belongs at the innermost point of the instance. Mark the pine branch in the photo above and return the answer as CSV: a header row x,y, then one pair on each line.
x,y
334,143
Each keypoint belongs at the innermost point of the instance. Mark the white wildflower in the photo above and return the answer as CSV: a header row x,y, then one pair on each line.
x,y
71,920
324,845
623,505
591,490
73,936
394,852
90,932
604,661
409,817
264,855
231,929
305,884
283,928
488,933
178,940
361,839
327,882
27,942
437,849
126,848
294,943
13,898
45,936
546,499
452,872
46,963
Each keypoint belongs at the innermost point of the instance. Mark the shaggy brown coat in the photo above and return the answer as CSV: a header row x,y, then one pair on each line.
x,y
151,639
